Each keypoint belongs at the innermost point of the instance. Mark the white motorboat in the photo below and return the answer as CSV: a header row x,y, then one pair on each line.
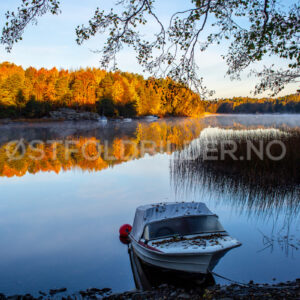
x,y
127,120
151,118
180,236
102,120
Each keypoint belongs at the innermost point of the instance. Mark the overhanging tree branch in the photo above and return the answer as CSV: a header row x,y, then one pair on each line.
x,y
27,13
269,28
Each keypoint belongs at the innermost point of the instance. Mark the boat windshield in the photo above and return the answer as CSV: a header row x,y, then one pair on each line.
x,y
182,226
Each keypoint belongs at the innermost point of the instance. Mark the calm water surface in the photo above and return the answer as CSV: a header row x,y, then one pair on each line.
x,y
59,219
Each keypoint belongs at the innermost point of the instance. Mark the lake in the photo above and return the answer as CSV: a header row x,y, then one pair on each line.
x,y
66,188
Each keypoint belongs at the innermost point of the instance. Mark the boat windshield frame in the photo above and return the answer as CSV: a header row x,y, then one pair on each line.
x,y
147,238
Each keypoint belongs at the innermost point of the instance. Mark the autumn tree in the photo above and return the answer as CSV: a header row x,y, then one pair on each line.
x,y
20,101
11,82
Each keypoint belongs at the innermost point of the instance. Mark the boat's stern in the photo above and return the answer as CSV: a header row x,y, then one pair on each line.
x,y
195,244
197,253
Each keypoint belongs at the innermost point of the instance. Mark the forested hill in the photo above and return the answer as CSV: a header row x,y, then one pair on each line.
x,y
32,93
285,104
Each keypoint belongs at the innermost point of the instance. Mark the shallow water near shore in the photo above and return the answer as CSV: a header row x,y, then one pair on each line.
x,y
60,218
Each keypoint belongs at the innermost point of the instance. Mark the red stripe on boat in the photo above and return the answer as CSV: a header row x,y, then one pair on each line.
x,y
149,247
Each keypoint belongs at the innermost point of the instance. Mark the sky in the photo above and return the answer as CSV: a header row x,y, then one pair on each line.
x,y
52,44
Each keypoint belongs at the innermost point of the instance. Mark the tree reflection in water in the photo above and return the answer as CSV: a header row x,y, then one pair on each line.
x,y
104,147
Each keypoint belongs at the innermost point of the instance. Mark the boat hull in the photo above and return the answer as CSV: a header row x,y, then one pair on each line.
x,y
193,262
147,276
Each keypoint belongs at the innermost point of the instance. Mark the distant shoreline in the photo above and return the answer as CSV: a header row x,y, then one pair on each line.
x,y
139,118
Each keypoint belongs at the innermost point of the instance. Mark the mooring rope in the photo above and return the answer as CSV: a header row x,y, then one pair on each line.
x,y
223,277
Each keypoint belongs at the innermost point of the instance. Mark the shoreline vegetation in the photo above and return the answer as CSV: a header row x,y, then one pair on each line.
x,y
260,184
33,94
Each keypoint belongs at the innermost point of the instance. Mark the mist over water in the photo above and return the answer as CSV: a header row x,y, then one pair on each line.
x,y
60,217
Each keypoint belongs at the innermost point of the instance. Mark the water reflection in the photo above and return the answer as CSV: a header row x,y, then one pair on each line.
x,y
61,229
73,146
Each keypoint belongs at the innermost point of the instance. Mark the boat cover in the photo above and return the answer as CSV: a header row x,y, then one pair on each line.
x,y
156,212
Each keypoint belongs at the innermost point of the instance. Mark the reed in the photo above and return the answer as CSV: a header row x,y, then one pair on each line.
x,y
256,185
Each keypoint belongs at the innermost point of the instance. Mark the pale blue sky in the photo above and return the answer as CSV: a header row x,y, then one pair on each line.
x,y
52,43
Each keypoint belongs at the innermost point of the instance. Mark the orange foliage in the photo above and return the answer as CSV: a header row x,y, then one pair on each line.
x,y
84,87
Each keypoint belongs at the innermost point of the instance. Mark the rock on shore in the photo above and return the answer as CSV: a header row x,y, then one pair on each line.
x,y
72,115
288,290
